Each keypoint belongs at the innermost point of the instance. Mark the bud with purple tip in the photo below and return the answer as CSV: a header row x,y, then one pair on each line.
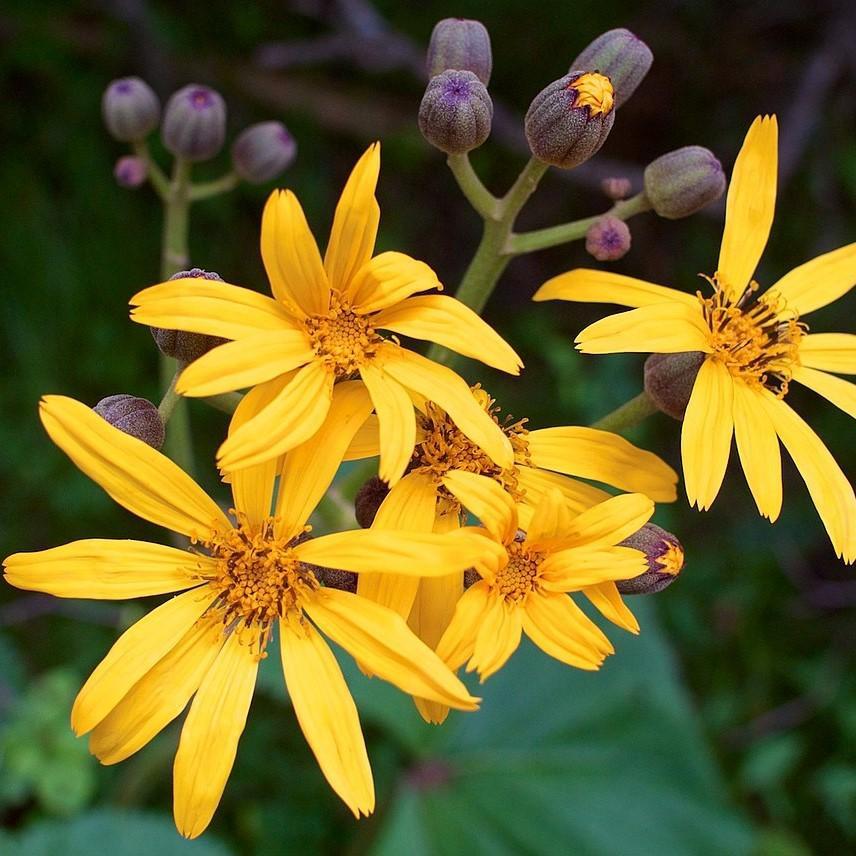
x,y
459,44
130,109
622,57
135,416
130,171
616,188
456,112
681,182
263,151
669,380
608,239
194,123
665,557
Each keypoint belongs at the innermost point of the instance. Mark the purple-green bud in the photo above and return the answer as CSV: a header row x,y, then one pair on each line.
x,y
130,109
194,123
608,239
368,500
459,44
669,380
616,188
665,557
262,151
135,416
679,183
569,120
130,171
622,57
456,112
180,344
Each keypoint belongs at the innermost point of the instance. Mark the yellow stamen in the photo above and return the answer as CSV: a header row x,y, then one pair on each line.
x,y
593,90
520,575
341,338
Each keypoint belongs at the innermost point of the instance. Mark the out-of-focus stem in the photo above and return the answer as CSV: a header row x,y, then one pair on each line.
x,y
628,414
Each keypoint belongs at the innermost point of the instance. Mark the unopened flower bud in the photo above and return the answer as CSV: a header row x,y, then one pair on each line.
x,y
669,380
130,109
194,123
261,152
334,578
456,112
459,44
569,120
368,500
616,188
608,239
135,416
130,171
179,344
622,57
679,183
665,557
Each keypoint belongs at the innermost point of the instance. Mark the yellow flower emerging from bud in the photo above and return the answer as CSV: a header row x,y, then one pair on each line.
x,y
593,90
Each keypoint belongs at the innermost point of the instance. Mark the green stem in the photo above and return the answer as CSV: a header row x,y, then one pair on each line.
x,y
482,200
207,189
170,398
628,414
226,402
156,176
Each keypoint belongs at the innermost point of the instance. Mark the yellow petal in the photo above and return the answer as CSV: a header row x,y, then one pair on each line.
x,y
498,638
562,630
159,696
291,418
388,279
830,491
750,206
291,257
830,352
758,447
817,283
575,568
706,433
327,715
133,654
396,420
602,456
245,362
484,497
442,386
456,645
552,520
352,237
840,392
448,322
661,328
578,495
103,569
606,598
308,470
607,522
209,737
208,306
139,478
366,442
603,286
379,638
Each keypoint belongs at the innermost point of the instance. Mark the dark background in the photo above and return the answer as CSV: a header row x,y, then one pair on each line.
x,y
729,725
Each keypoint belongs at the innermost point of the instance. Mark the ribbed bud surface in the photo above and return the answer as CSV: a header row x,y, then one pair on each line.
x,y
460,44
456,112
135,416
622,57
262,151
683,181
130,108
194,123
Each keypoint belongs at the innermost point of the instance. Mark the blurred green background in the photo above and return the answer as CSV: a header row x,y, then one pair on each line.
x,y
729,725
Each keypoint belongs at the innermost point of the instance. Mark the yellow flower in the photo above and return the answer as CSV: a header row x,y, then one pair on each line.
x,y
244,577
754,345
322,326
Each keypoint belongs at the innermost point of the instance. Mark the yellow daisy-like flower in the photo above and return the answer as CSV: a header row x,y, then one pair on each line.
x,y
753,346
322,327
244,577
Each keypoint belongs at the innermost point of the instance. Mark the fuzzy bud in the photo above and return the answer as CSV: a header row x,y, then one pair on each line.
x,y
459,44
456,112
665,557
669,380
608,239
616,188
135,416
334,578
130,109
368,500
569,120
179,344
679,183
622,57
130,171
262,151
194,123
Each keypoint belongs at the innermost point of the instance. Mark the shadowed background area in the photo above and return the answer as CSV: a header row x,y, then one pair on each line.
x,y
729,724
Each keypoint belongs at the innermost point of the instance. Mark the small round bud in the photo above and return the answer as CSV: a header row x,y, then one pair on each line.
x,y
135,416
194,123
616,188
459,44
669,380
622,57
569,120
179,344
130,171
368,500
263,151
456,112
130,109
679,183
665,557
608,239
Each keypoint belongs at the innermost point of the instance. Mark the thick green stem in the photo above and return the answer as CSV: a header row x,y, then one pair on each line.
x,y
482,200
628,414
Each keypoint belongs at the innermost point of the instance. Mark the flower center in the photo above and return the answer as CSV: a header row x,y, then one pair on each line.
x,y
341,338
751,338
520,575
593,90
